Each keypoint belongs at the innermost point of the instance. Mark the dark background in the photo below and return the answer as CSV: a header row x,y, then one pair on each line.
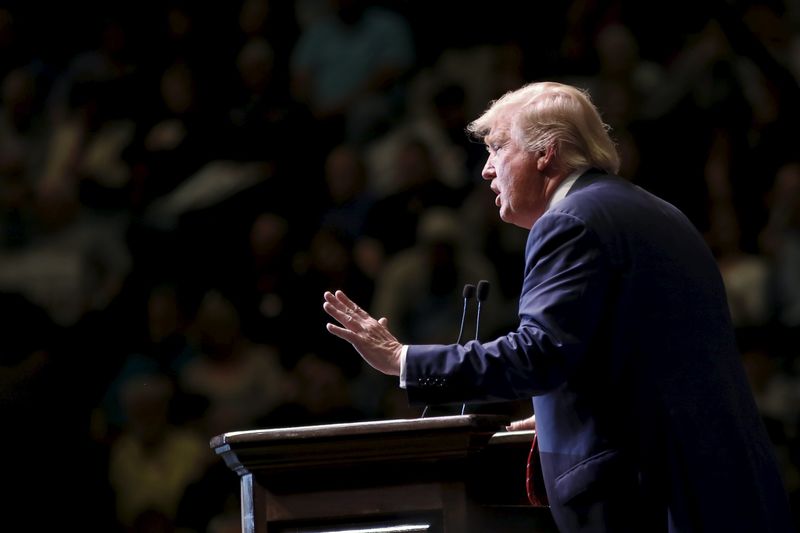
x,y
135,328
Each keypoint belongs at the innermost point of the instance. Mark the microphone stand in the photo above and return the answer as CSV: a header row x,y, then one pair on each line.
x,y
468,292
482,294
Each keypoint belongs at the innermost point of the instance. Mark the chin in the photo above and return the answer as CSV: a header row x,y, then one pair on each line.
x,y
516,219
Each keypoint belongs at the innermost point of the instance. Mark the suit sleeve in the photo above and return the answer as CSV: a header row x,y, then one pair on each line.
x,y
564,294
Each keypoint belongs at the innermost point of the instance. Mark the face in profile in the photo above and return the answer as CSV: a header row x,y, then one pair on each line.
x,y
514,177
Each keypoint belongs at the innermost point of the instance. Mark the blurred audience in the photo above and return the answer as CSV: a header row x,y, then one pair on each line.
x,y
349,198
415,185
781,240
162,349
152,461
174,138
241,381
273,150
349,67
417,286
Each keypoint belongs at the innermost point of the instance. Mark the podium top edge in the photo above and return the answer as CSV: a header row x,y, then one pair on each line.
x,y
489,423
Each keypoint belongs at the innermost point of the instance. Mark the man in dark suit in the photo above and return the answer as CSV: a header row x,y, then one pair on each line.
x,y
644,416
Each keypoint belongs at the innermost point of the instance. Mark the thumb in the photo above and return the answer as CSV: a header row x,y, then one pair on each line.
x,y
383,321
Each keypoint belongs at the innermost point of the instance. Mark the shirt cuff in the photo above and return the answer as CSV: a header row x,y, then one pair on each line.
x,y
403,366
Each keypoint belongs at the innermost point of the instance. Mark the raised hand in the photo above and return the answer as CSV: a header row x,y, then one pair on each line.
x,y
371,338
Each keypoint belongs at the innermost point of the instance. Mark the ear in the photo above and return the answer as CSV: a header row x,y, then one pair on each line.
x,y
545,158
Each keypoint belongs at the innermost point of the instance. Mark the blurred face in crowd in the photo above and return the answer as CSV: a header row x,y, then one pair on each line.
x,y
515,176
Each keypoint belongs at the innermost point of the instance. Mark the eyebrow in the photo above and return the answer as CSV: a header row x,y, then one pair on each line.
x,y
494,137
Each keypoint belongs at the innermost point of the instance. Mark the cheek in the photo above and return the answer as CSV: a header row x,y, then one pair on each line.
x,y
512,192
503,170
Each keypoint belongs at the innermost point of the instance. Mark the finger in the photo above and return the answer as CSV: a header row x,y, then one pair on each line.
x,y
350,304
334,301
521,425
342,333
346,307
341,316
383,321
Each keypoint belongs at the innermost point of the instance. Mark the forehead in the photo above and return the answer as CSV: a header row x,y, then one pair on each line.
x,y
500,128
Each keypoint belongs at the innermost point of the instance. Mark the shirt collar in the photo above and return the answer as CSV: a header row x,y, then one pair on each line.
x,y
564,187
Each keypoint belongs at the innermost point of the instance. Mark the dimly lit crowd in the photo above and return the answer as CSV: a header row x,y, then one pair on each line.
x,y
181,181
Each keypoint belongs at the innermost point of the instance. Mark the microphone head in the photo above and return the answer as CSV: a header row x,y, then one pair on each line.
x,y
483,290
469,291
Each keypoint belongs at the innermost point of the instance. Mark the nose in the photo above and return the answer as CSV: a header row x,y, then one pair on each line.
x,y
488,172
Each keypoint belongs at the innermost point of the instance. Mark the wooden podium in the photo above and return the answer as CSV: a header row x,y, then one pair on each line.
x,y
450,474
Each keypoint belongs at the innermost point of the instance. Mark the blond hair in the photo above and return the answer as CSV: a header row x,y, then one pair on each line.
x,y
546,114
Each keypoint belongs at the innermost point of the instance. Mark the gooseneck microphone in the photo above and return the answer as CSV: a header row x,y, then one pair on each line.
x,y
482,293
468,293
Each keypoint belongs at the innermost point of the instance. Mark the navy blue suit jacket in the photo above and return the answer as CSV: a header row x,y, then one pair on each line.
x,y
645,419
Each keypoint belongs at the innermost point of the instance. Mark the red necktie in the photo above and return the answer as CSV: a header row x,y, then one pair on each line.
x,y
533,477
